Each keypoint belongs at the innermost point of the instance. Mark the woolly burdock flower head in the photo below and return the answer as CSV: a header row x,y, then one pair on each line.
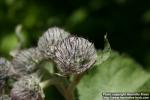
x,y
4,68
74,55
49,39
5,71
27,88
26,61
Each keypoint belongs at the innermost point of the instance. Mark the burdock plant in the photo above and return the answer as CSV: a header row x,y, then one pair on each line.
x,y
71,56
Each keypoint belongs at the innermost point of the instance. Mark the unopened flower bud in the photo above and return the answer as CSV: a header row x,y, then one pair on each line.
x,y
26,60
75,55
49,39
27,88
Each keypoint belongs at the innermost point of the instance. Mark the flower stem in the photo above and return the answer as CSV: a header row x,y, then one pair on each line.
x,y
67,90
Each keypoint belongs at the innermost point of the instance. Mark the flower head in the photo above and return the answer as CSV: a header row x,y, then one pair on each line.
x,y
27,88
5,71
49,39
26,60
75,55
4,68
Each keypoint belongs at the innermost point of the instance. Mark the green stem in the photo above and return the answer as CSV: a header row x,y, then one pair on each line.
x,y
67,90
75,81
71,87
58,82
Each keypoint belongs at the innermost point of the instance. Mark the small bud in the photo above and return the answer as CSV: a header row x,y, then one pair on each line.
x,y
74,55
26,60
27,88
5,97
49,39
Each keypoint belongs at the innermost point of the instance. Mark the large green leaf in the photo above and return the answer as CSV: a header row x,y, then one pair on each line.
x,y
118,74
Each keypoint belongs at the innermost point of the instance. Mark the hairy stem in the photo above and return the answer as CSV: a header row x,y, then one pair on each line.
x,y
69,93
58,82
65,88
75,81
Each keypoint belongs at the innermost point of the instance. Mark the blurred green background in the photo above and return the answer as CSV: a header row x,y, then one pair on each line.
x,y
127,23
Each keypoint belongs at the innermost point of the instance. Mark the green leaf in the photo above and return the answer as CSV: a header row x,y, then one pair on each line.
x,y
118,74
145,87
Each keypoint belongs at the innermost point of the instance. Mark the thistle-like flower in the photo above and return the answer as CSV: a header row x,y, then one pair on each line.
x,y
4,68
27,88
50,39
26,60
74,55
5,71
